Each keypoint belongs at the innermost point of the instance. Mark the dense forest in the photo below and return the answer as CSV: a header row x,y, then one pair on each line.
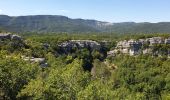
x,y
82,74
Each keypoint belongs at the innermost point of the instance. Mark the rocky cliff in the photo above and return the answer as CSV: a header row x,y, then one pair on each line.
x,y
9,36
11,42
155,46
70,45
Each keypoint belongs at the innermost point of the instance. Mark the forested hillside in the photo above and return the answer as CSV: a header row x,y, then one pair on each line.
x,y
49,23
55,23
33,67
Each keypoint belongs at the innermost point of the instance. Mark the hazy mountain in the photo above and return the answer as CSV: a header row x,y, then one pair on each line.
x,y
50,23
131,27
55,23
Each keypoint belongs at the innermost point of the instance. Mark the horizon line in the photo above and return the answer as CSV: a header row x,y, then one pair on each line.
x,y
83,18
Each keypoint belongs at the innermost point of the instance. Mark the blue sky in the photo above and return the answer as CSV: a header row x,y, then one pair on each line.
x,y
104,10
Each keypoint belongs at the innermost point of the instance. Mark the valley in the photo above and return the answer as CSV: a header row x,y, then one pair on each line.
x,y
81,66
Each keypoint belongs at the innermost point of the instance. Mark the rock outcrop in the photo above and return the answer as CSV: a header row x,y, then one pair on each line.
x,y
9,36
5,36
42,62
12,41
68,46
140,46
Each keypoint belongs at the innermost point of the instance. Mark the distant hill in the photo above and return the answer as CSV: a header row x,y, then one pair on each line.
x,y
146,27
49,23
55,23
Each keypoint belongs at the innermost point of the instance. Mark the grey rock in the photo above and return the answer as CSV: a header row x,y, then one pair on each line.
x,y
16,38
34,60
134,47
10,36
5,36
167,41
79,44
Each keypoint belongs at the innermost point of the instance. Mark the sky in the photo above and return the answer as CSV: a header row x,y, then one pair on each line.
x,y
103,10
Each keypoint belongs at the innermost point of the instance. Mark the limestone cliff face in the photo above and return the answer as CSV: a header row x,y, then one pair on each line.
x,y
79,44
11,40
141,46
9,36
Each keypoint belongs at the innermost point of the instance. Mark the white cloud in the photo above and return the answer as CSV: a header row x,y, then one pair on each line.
x,y
63,11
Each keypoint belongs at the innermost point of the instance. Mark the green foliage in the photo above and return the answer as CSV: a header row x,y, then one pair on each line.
x,y
58,84
83,74
96,90
143,74
14,74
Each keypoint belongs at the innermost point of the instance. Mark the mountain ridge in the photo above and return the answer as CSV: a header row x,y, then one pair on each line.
x,y
59,23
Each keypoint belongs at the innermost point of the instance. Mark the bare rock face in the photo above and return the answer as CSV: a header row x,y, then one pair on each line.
x,y
13,42
42,61
131,47
32,59
167,41
141,46
16,38
79,44
5,36
9,36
